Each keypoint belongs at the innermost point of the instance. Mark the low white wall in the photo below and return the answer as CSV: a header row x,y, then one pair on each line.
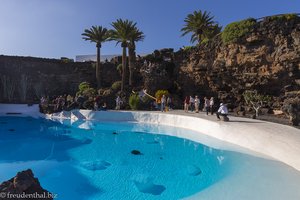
x,y
22,109
277,141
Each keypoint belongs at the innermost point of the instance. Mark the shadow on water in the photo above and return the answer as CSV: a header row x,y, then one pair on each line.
x,y
37,144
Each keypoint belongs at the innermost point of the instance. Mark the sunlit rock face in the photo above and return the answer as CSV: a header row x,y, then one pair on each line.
x,y
266,59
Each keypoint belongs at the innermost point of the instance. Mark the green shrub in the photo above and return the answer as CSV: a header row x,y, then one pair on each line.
x,y
66,60
256,100
83,86
283,17
134,101
160,93
86,90
116,85
236,30
107,92
188,48
89,92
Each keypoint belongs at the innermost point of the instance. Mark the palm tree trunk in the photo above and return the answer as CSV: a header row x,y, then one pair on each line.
x,y
130,63
98,70
124,57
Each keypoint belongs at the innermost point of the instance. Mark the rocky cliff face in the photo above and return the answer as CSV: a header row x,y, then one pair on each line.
x,y
267,59
26,79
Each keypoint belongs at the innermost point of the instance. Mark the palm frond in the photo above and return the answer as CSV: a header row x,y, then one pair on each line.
x,y
96,34
200,25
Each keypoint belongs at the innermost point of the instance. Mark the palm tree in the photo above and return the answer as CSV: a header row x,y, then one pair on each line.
x,y
97,34
201,25
121,33
135,36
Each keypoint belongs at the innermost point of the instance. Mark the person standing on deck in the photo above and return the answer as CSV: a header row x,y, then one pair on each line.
x,y
192,103
163,102
197,104
211,105
206,105
186,103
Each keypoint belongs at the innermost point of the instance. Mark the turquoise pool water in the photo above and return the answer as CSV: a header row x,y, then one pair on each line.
x,y
102,160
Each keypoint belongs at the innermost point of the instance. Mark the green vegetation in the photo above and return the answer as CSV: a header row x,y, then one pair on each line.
x,y
86,90
122,33
98,35
201,25
134,101
160,93
188,48
66,60
116,85
83,86
283,17
236,30
257,101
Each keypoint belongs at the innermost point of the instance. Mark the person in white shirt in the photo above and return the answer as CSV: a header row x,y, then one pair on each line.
x,y
118,103
163,102
223,111
211,105
197,103
192,103
206,105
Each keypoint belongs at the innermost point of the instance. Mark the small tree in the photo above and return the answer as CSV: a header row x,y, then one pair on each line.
x,y
134,101
257,101
160,93
86,90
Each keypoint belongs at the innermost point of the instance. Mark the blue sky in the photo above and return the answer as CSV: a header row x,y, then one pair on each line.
x,y
52,28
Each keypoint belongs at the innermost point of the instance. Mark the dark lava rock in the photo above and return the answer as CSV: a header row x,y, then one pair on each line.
x,y
291,107
24,183
136,152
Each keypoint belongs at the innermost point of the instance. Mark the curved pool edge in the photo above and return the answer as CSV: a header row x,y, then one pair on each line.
x,y
278,141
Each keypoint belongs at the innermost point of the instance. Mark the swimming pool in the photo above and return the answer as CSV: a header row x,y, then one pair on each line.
x,y
121,160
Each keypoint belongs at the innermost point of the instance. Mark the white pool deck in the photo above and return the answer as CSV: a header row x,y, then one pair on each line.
x,y
277,141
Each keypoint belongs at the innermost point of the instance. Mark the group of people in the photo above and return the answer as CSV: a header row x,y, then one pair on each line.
x,y
68,102
165,103
194,104
56,104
